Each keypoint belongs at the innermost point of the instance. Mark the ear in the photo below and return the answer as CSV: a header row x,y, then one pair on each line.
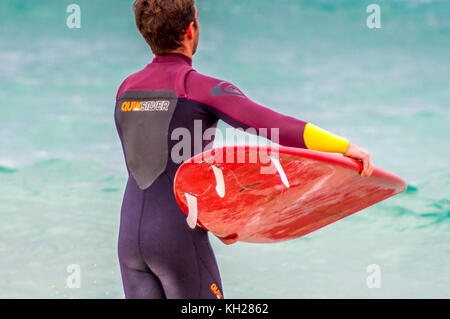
x,y
189,34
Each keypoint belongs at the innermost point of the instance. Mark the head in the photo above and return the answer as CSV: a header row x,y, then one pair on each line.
x,y
168,26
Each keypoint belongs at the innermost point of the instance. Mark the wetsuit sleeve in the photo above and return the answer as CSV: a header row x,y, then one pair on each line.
x,y
227,103
319,139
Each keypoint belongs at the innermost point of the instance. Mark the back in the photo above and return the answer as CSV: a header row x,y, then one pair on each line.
x,y
146,104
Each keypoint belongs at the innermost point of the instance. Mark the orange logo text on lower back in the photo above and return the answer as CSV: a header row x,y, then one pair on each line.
x,y
216,291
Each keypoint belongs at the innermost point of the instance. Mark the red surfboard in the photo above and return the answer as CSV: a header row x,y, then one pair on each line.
x,y
272,194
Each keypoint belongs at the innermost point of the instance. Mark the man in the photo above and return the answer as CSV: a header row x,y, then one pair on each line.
x,y
160,256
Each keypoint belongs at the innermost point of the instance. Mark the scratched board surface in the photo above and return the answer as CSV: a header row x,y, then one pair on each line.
x,y
267,195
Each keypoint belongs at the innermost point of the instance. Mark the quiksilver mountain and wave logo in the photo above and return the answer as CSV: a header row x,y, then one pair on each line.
x,y
225,88
146,106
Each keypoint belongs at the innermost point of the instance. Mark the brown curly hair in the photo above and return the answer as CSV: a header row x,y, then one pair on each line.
x,y
163,23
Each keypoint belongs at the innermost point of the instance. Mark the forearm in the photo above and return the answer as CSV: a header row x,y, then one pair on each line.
x,y
318,139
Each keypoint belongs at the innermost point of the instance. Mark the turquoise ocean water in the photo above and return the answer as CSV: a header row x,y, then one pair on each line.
x,y
62,174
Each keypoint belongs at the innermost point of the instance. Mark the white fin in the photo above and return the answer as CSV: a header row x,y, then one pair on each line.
x,y
193,213
220,183
280,170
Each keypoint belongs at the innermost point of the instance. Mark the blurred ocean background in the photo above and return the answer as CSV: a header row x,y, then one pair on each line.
x,y
62,173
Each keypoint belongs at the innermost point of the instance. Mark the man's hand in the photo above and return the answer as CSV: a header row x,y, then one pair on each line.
x,y
356,152
229,240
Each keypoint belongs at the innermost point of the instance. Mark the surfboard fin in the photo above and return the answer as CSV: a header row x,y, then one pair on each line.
x,y
280,170
220,183
193,212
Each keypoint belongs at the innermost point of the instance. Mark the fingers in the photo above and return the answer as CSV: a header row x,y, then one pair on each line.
x,y
367,165
371,167
358,153
229,240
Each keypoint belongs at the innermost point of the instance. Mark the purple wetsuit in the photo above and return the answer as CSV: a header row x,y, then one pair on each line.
x,y
160,256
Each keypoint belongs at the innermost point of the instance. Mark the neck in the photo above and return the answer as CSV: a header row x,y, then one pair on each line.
x,y
184,51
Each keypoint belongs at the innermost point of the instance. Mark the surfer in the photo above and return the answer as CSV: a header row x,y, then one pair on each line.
x,y
159,255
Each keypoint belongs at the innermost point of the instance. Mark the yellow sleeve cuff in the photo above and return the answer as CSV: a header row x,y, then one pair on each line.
x,y
318,139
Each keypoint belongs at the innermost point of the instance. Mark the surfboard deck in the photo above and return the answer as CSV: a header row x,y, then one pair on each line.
x,y
272,194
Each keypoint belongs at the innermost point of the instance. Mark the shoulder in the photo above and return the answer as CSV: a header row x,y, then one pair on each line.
x,y
123,86
206,88
132,80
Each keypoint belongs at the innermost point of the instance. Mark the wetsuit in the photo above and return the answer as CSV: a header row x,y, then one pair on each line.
x,y
159,255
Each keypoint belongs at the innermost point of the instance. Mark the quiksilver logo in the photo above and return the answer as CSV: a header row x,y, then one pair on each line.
x,y
225,88
145,106
216,291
